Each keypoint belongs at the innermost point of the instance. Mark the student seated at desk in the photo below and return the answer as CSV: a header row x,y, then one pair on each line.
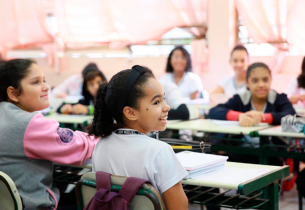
x,y
258,104
233,84
31,143
127,108
178,71
93,77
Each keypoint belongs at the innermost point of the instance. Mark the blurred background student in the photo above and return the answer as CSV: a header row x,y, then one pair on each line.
x,y
178,71
92,78
233,84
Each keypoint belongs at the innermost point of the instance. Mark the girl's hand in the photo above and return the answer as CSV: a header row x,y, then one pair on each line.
x,y
256,115
66,109
246,121
79,109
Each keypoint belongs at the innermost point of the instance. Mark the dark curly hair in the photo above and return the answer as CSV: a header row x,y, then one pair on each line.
x,y
11,74
90,72
107,102
254,66
185,53
301,77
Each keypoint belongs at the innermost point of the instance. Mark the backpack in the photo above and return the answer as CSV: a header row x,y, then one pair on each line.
x,y
104,198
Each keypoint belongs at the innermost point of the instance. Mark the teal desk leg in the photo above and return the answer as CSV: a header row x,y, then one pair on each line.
x,y
271,192
300,201
263,157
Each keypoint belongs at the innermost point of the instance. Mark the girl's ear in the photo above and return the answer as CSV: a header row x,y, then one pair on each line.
x,y
130,113
12,94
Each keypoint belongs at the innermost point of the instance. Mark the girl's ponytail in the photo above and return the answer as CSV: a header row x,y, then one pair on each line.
x,y
103,123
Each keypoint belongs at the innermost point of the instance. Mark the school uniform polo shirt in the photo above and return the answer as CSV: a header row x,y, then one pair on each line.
x,y
189,83
129,153
230,87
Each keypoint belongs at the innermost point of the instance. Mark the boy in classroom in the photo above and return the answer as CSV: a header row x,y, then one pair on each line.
x,y
93,77
29,142
127,108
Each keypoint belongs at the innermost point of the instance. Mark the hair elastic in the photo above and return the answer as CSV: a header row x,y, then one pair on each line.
x,y
134,74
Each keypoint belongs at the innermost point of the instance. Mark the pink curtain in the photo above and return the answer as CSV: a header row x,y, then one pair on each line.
x,y
120,22
22,24
264,20
274,21
296,26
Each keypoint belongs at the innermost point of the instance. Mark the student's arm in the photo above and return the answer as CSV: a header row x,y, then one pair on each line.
x,y
219,90
168,173
194,95
44,139
62,90
83,107
181,113
226,111
283,108
64,109
175,198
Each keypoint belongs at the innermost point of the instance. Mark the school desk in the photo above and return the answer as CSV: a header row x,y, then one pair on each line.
x,y
268,150
208,127
248,179
252,182
71,119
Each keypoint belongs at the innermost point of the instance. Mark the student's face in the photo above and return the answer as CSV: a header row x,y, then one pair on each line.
x,y
239,62
34,95
93,85
259,82
178,61
153,110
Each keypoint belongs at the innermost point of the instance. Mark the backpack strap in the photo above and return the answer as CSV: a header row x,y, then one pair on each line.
x,y
103,180
130,188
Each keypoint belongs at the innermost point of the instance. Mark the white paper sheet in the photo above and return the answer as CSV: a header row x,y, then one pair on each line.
x,y
227,123
232,175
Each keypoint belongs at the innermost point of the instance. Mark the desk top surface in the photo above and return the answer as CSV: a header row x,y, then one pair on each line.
x,y
208,126
277,131
244,177
61,118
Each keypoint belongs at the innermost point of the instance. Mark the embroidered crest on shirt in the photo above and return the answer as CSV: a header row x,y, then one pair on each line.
x,y
65,136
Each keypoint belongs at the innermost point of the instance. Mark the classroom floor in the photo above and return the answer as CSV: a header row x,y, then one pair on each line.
x,y
288,201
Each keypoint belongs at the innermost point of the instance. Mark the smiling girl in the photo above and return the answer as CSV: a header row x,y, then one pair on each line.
x,y
258,104
178,69
127,108
29,142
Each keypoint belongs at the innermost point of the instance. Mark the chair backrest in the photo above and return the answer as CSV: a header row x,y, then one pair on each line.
x,y
147,197
9,196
